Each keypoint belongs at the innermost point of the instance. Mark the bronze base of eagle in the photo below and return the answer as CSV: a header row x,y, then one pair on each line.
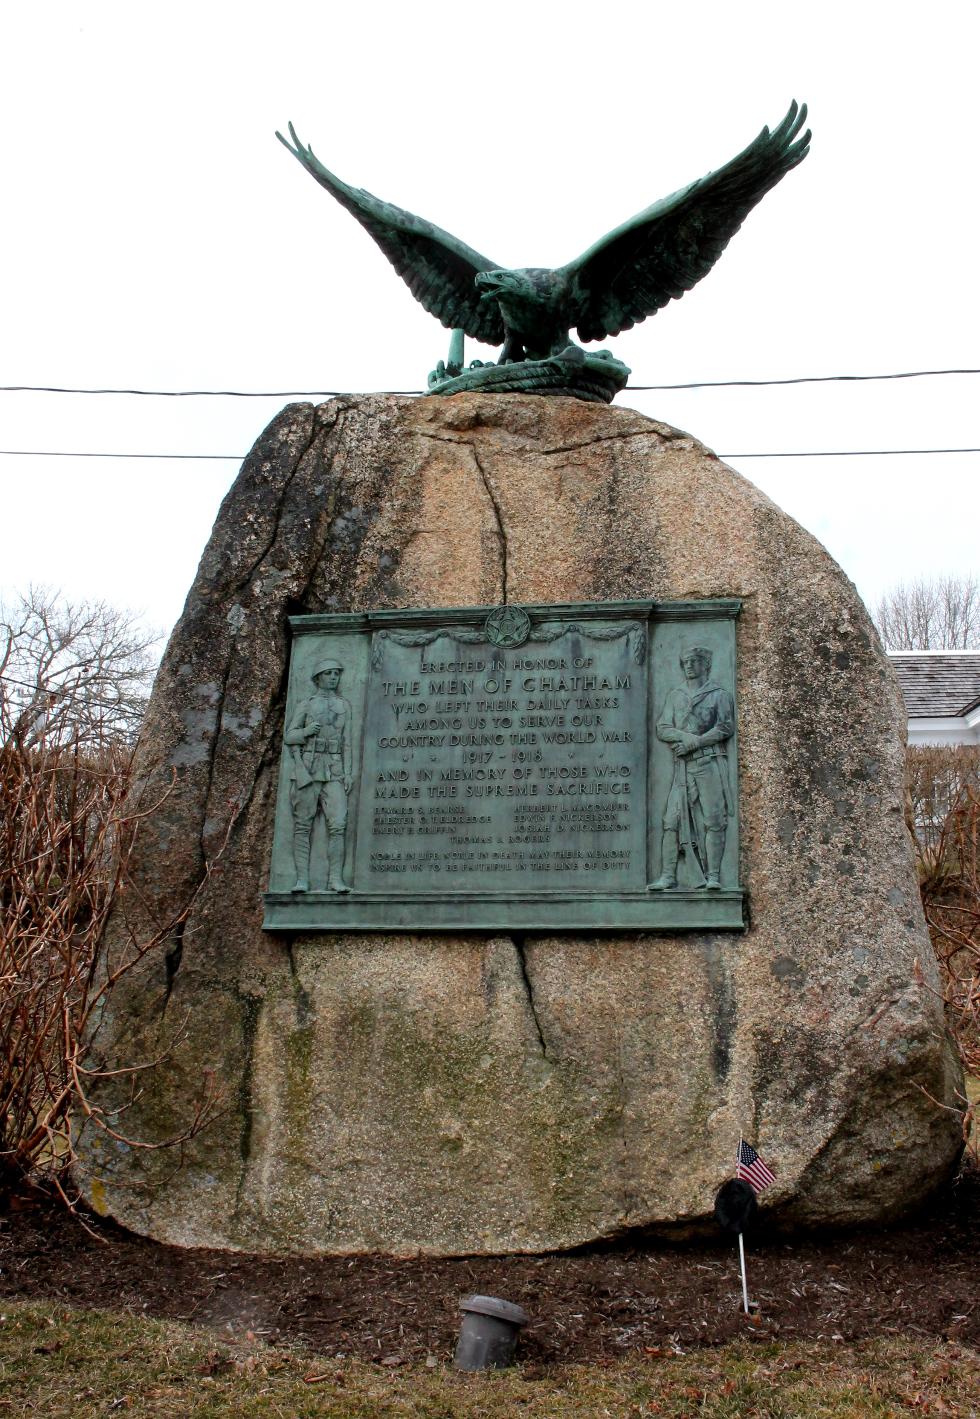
x,y
594,375
628,275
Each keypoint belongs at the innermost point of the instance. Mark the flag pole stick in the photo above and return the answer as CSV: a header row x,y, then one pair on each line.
x,y
741,1244
745,1284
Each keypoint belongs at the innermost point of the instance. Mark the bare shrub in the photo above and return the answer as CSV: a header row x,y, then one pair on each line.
x,y
938,779
67,825
944,792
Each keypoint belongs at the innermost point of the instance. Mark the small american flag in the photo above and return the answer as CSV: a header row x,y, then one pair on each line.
x,y
750,1166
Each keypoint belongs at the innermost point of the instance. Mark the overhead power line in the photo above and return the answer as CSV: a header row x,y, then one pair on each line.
x,y
850,453
73,453
336,393
801,379
201,393
240,457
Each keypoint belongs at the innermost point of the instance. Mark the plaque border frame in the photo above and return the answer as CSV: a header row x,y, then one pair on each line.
x,y
676,910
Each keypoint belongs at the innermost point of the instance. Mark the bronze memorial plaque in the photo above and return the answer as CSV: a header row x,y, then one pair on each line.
x,y
519,767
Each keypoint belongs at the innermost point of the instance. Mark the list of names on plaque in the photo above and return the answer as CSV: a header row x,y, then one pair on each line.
x,y
566,767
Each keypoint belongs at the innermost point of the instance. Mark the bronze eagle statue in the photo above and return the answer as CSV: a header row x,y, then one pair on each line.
x,y
627,275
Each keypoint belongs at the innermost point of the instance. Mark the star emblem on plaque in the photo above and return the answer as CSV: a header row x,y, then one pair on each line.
x,y
507,626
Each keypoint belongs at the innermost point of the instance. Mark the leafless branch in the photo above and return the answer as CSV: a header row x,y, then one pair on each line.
x,y
938,614
74,678
944,809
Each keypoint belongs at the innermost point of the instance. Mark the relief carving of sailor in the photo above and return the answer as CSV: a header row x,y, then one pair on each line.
x,y
321,770
696,720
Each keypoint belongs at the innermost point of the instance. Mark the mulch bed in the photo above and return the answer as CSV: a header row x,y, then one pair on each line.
x,y
922,1278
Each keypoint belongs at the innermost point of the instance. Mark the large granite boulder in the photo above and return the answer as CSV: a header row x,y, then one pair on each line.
x,y
489,1093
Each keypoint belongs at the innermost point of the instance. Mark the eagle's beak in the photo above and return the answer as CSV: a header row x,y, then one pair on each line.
x,y
489,284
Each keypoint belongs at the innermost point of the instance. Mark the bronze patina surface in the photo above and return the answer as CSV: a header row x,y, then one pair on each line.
x,y
556,767
626,276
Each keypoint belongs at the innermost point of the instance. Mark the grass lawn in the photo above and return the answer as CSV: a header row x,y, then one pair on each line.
x,y
59,1363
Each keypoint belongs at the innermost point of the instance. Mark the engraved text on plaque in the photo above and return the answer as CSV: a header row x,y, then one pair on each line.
x,y
554,767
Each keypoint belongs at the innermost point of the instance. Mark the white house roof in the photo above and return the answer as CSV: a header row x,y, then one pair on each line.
x,y
938,683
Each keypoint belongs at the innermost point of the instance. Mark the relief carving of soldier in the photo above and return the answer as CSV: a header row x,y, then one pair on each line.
x,y
696,720
321,757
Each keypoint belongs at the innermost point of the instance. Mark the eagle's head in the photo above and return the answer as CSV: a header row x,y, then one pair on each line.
x,y
531,285
530,303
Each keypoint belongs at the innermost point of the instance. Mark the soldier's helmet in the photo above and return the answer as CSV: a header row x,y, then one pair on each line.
x,y
323,665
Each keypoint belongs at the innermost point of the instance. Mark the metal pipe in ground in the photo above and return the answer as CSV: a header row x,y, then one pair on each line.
x,y
488,1333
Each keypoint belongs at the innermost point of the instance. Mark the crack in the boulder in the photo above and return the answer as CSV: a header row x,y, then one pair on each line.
x,y
269,748
249,575
444,438
414,536
251,1005
501,530
494,502
171,963
301,996
290,944
267,757
212,756
607,438
724,1013
529,992
629,1198
173,957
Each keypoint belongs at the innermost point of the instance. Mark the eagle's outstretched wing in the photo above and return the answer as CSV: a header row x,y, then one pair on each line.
x,y
438,269
664,251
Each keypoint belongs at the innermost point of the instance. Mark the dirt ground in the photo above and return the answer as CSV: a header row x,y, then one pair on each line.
x,y
922,1278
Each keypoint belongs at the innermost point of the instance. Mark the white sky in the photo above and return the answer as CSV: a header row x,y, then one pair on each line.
x,y
158,236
